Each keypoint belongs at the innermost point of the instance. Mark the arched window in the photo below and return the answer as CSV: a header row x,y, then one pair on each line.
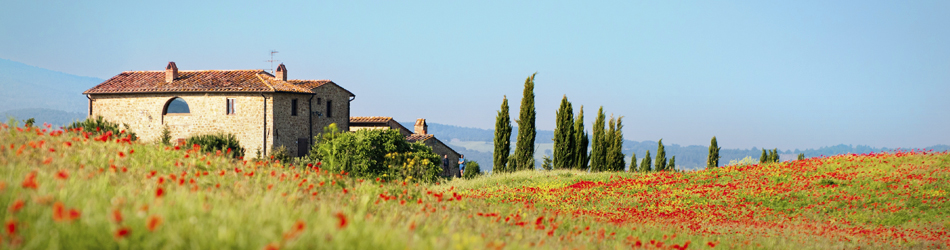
x,y
176,106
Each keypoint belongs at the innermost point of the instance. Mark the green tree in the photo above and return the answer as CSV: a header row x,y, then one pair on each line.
x,y
712,160
598,154
581,157
775,155
801,156
502,138
764,158
472,170
646,163
373,153
672,165
614,142
524,150
546,162
660,164
564,137
633,163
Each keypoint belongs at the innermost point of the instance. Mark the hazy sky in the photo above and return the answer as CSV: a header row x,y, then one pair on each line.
x,y
792,74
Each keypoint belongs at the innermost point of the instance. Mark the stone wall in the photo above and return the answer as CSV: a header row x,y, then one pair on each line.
x,y
340,106
144,115
441,149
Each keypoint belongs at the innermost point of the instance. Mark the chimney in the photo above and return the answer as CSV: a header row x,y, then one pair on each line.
x,y
421,126
171,72
282,72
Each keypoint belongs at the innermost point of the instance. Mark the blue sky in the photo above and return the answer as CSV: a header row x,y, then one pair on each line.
x,y
793,74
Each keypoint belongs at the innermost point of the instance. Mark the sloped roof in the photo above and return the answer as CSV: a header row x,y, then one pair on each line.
x,y
205,81
370,119
419,137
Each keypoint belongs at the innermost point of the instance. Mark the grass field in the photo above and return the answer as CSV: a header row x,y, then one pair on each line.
x,y
71,190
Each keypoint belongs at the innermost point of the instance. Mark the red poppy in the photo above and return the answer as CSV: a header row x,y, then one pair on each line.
x,y
342,218
153,222
160,192
122,232
17,205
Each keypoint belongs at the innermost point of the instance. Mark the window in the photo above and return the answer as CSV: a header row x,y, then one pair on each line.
x,y
329,109
293,107
319,100
177,106
230,107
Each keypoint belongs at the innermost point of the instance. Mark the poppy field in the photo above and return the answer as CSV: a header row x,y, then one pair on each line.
x,y
74,190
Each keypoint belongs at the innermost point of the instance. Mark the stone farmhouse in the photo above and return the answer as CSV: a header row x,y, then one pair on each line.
x,y
420,133
263,110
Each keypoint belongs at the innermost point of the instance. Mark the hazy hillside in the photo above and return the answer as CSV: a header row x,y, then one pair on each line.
x,y
41,115
477,144
28,88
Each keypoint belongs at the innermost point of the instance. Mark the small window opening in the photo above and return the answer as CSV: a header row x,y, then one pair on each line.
x,y
230,107
293,107
329,108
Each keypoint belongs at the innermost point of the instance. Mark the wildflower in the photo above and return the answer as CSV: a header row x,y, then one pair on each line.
x,y
342,218
272,246
160,192
62,174
17,205
121,232
11,227
117,216
153,222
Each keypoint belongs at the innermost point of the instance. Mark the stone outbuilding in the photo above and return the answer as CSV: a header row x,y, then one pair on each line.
x,y
419,133
261,109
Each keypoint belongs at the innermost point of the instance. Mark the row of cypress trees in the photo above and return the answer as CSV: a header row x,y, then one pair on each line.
x,y
523,157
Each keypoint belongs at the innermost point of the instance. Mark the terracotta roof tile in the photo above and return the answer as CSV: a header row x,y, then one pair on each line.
x,y
311,84
370,119
419,137
195,81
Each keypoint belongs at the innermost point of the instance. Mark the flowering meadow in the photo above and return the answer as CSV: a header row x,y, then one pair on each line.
x,y
78,190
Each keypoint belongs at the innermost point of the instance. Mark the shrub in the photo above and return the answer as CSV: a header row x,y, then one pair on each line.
x,y
166,138
375,154
211,143
472,170
99,126
281,154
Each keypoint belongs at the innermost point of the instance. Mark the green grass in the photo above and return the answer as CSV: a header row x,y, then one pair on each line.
x,y
254,205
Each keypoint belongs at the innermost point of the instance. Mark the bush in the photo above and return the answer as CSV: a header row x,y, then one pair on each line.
x,y
281,154
100,126
375,154
211,143
472,170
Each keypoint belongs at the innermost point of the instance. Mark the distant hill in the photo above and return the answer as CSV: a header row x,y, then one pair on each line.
x,y
28,88
57,118
478,144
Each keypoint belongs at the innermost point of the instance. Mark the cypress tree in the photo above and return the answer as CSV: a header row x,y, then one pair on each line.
x,y
646,163
581,157
502,138
764,158
801,156
524,150
633,163
616,145
712,160
564,136
610,158
598,152
672,165
775,155
660,164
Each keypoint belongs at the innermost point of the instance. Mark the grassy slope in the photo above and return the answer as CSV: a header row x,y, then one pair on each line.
x,y
249,205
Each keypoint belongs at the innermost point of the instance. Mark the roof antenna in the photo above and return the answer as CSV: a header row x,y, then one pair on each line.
x,y
271,61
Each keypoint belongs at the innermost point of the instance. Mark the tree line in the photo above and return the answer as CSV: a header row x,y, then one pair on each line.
x,y
571,141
